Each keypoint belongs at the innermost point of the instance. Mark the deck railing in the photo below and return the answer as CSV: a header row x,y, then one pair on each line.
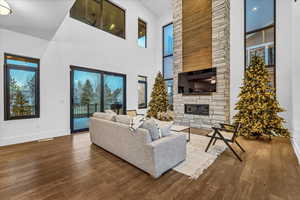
x,y
85,110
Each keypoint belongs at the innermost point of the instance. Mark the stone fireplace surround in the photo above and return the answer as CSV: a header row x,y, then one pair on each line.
x,y
219,102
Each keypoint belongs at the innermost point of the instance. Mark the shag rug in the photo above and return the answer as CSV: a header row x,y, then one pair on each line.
x,y
197,160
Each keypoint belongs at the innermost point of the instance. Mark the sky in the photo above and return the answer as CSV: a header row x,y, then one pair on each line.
x,y
21,76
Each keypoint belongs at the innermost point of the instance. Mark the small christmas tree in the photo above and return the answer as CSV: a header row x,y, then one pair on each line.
x,y
257,107
159,98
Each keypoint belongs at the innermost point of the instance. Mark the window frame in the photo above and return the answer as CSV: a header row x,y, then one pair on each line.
x,y
146,35
274,25
102,104
167,56
146,91
7,69
114,4
163,51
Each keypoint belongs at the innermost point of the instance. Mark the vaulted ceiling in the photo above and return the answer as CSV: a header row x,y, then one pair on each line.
x,y
39,18
42,18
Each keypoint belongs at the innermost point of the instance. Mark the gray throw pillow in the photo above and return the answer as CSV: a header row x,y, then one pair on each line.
x,y
152,127
123,119
105,116
166,129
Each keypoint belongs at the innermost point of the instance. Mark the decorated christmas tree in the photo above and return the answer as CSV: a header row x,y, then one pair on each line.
x,y
159,98
257,106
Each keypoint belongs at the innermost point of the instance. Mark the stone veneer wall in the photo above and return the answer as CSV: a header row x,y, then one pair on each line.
x,y
219,102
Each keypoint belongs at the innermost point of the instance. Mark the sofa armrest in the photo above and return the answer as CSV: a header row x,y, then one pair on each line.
x,y
168,152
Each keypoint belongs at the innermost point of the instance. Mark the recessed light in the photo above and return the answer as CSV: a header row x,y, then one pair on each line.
x,y
254,9
4,8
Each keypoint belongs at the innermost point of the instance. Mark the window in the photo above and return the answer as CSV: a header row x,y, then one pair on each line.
x,y
101,14
142,92
95,91
114,93
260,34
168,60
142,35
21,78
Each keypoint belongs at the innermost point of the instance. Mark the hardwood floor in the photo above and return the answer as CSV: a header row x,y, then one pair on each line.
x,y
71,167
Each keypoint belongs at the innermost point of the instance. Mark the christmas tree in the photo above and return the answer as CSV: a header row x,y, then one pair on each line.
x,y
257,106
159,98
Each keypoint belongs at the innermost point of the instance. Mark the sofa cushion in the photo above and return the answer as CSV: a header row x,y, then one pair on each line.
x,y
152,127
105,116
123,119
110,112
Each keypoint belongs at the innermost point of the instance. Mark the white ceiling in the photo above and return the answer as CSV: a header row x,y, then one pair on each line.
x,y
42,18
159,7
39,18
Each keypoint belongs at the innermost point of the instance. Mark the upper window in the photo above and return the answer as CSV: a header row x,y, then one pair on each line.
x,y
101,14
142,92
21,87
260,34
142,35
259,14
168,60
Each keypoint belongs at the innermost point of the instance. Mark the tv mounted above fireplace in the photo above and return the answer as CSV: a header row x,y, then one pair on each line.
x,y
198,82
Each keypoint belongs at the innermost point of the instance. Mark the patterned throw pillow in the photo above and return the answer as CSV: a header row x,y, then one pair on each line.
x,y
136,122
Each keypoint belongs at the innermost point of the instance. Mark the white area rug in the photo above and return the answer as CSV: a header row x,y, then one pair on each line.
x,y
197,159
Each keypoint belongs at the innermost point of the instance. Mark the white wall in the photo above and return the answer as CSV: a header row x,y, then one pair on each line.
x,y
295,77
76,43
236,51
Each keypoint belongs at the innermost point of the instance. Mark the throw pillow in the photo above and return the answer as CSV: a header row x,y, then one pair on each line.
x,y
105,116
166,129
152,127
136,122
123,119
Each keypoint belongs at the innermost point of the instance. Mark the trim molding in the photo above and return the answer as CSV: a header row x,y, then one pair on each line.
x,y
296,147
33,137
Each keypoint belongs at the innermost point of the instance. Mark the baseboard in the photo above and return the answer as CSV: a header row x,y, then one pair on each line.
x,y
33,137
296,147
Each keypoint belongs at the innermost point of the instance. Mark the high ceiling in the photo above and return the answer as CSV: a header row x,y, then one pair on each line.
x,y
159,7
39,18
42,18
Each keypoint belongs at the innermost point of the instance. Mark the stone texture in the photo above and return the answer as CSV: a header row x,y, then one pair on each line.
x,y
220,101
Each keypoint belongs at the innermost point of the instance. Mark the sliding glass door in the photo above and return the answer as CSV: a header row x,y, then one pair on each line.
x,y
95,91
114,93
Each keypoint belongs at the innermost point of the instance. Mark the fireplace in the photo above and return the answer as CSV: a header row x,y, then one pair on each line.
x,y
196,109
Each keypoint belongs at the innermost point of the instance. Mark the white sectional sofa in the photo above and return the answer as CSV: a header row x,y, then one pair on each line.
x,y
137,148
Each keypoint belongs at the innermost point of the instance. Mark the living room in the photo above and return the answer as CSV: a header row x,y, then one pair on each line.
x,y
115,50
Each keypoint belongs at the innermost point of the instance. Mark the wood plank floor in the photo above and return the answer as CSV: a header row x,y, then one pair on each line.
x,y
71,167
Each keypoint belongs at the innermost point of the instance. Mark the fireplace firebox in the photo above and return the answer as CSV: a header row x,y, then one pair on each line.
x,y
196,109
